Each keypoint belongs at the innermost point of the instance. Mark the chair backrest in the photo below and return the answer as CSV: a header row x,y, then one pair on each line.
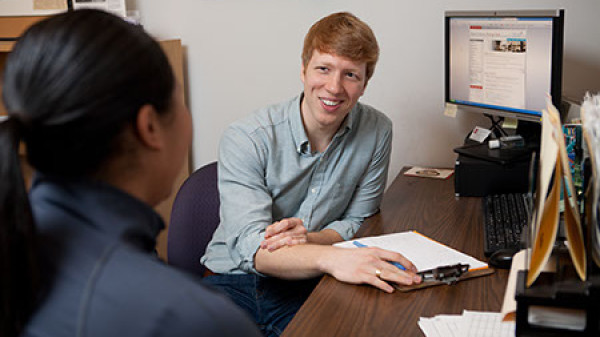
x,y
194,218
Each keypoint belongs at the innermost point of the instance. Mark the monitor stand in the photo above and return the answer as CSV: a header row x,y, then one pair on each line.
x,y
530,131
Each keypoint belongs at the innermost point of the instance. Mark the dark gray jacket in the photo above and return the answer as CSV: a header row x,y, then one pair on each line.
x,y
102,277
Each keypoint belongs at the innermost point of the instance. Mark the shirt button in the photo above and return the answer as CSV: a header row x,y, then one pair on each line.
x,y
314,190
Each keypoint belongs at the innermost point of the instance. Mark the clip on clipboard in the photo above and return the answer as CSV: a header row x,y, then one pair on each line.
x,y
448,275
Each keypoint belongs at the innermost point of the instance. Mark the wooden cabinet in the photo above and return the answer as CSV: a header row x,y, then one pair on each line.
x,y
12,27
174,52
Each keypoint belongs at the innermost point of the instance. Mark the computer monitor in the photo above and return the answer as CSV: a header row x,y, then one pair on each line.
x,y
504,63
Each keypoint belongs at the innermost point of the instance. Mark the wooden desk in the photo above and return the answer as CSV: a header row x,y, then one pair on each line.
x,y
430,207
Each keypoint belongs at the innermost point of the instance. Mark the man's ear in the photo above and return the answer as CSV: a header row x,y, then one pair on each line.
x,y
148,127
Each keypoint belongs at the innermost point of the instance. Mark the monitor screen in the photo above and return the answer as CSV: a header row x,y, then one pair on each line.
x,y
504,63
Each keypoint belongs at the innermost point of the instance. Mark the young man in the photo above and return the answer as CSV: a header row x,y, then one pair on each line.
x,y
296,177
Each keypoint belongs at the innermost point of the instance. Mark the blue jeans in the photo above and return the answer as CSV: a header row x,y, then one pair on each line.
x,y
271,302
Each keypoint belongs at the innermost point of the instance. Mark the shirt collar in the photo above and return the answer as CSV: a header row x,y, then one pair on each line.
x,y
346,125
299,133
109,210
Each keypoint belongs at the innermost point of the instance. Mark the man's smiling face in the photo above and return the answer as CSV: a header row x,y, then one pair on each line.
x,y
332,86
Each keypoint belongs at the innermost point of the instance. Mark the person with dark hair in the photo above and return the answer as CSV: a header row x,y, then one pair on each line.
x,y
106,130
296,177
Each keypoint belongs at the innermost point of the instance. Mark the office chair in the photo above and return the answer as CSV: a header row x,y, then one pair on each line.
x,y
194,218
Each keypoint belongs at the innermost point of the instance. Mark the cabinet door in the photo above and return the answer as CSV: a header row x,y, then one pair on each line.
x,y
173,50
3,56
10,29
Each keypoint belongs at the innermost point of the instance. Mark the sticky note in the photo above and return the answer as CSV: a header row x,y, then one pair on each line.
x,y
510,123
450,110
49,4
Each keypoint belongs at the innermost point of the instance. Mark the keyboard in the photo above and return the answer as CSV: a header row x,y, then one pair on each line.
x,y
505,218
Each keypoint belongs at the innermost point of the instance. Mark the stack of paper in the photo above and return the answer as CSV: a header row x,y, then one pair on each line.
x,y
558,318
469,324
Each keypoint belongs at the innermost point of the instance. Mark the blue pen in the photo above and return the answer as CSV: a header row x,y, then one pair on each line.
x,y
362,245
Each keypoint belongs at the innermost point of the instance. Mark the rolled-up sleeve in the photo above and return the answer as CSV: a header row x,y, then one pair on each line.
x,y
245,200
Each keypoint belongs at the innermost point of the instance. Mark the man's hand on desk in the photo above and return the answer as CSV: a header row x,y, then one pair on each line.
x,y
371,266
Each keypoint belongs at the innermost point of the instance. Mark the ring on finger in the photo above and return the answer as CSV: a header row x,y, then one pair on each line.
x,y
378,273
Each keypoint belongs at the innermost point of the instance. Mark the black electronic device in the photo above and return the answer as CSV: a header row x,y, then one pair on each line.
x,y
474,177
502,258
504,63
501,156
506,217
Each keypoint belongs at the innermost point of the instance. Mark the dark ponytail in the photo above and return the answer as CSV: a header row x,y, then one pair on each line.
x,y
72,85
75,81
18,259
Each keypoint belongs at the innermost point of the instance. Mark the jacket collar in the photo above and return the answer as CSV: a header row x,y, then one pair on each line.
x,y
107,209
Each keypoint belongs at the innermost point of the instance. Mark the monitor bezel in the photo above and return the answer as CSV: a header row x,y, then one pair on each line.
x,y
557,16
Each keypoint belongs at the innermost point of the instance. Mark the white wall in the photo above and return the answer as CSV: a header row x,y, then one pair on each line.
x,y
245,54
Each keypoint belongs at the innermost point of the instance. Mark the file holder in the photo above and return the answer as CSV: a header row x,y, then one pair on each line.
x,y
559,290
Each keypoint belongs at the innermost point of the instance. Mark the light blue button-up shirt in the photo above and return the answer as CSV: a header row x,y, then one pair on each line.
x,y
268,172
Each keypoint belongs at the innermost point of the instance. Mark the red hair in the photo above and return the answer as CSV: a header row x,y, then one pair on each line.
x,y
345,35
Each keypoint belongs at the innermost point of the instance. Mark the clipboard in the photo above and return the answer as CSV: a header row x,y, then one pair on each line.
x,y
442,264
